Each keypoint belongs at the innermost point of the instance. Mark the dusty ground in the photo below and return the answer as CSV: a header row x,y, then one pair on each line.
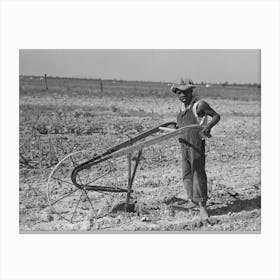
x,y
75,115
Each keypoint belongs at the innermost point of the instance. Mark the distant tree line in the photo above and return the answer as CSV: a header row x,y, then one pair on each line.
x,y
226,84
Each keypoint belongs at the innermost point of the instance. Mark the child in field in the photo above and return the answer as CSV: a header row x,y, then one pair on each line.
x,y
194,111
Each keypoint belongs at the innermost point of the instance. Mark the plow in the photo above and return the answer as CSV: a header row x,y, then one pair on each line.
x,y
88,182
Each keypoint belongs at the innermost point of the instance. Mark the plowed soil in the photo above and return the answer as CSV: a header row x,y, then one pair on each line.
x,y
75,115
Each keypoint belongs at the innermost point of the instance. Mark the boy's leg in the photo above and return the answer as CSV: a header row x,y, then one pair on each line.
x,y
186,172
197,160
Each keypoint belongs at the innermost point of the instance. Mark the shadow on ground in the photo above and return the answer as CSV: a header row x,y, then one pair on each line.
x,y
237,206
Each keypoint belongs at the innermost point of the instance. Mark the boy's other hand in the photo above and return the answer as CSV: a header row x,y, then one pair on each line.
x,y
207,132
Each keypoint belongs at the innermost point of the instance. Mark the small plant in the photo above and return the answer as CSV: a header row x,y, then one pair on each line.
x,y
77,114
41,128
114,109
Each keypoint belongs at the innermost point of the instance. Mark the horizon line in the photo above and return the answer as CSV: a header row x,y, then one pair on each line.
x,y
139,81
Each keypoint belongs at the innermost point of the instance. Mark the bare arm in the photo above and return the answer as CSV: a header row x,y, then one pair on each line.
x,y
203,109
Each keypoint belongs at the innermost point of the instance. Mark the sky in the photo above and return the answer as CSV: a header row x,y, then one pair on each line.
x,y
234,66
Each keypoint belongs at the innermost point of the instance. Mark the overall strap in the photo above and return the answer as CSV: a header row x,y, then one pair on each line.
x,y
184,107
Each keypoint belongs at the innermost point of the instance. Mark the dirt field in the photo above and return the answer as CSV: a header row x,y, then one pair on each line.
x,y
75,115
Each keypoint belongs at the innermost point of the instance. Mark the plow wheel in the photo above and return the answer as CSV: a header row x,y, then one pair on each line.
x,y
75,204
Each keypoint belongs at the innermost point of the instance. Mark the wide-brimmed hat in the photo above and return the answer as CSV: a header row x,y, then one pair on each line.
x,y
182,84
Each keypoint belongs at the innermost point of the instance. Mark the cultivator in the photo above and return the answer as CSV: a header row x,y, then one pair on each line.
x,y
86,182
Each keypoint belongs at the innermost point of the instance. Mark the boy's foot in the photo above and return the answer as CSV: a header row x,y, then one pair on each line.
x,y
204,213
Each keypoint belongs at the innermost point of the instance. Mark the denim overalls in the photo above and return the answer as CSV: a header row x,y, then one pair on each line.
x,y
193,156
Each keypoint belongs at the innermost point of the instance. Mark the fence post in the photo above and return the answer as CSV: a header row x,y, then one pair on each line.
x,y
46,82
101,86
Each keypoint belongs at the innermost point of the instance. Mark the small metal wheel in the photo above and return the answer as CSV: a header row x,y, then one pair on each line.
x,y
77,204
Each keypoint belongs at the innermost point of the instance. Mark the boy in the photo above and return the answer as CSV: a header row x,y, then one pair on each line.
x,y
194,111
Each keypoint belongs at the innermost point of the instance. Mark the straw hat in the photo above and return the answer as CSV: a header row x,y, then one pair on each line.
x,y
182,84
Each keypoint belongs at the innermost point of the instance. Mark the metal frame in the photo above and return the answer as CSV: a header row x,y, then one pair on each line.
x,y
124,149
